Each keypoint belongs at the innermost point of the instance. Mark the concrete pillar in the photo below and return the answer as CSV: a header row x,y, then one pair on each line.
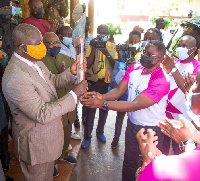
x,y
73,3
25,9
91,15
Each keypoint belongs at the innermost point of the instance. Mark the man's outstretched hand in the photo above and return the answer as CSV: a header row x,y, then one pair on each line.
x,y
92,100
80,89
93,94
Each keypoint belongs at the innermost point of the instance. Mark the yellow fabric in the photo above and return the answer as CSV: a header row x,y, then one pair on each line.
x,y
93,70
88,51
101,68
102,73
112,49
37,51
137,55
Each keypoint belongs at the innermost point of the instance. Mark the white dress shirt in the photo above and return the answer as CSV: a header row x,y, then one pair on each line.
x,y
71,51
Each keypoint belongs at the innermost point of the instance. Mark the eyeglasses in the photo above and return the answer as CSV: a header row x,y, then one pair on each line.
x,y
149,54
53,42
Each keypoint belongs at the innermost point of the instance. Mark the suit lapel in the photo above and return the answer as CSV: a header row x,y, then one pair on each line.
x,y
34,75
47,78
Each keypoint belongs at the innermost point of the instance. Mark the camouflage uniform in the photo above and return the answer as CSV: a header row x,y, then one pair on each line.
x,y
51,6
17,19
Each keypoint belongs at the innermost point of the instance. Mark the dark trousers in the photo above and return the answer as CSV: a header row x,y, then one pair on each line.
x,y
132,151
67,135
118,124
2,177
166,146
101,87
84,114
5,156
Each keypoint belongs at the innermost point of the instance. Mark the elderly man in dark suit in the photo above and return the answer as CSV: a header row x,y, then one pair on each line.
x,y
30,90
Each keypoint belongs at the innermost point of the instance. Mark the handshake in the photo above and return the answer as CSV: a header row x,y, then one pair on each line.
x,y
92,100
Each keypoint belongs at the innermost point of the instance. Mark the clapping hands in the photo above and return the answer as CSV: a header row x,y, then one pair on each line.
x,y
147,144
181,130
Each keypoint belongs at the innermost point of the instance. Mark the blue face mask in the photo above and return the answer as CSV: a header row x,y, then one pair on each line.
x,y
53,51
188,104
105,38
15,11
67,41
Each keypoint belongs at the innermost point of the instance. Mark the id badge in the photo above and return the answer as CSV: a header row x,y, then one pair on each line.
x,y
101,64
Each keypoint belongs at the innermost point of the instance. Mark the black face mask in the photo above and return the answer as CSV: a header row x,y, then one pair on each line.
x,y
5,15
53,51
146,62
38,13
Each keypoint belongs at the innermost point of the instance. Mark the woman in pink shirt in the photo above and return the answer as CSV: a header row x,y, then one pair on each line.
x,y
183,167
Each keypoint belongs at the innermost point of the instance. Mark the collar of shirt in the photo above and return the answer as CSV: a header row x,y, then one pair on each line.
x,y
24,59
31,64
71,52
64,47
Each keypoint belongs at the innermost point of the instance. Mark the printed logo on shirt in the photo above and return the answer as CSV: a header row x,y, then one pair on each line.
x,y
137,92
154,93
130,85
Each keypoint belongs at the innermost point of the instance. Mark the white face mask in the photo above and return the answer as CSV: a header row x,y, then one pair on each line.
x,y
182,53
188,104
137,46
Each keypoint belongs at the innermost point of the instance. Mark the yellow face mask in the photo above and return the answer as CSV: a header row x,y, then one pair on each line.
x,y
37,51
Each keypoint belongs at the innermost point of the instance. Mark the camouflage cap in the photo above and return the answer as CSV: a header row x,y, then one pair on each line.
x,y
4,3
17,1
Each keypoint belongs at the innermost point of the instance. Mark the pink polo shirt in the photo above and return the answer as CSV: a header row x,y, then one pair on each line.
x,y
183,167
176,98
154,85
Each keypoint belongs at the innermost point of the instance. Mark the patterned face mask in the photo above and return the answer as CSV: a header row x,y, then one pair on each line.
x,y
37,51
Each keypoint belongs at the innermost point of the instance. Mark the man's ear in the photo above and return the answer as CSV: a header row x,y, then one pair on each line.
x,y
22,48
160,59
60,37
194,49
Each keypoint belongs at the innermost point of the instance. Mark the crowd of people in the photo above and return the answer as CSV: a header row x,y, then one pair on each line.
x,y
139,77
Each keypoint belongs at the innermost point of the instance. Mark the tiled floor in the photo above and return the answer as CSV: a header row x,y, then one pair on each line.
x,y
96,163
65,169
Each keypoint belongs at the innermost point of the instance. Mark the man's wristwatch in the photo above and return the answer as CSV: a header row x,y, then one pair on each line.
x,y
173,70
105,105
108,56
183,144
